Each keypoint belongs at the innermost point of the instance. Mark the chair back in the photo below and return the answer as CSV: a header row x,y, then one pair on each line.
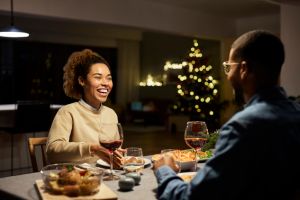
x,y
32,116
33,143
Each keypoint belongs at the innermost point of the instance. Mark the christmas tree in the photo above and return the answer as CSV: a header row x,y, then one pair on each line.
x,y
197,92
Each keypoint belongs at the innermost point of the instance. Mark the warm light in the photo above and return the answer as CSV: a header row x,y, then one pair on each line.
x,y
215,91
150,82
170,65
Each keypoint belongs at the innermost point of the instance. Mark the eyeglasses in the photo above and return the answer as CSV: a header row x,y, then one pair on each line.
x,y
227,66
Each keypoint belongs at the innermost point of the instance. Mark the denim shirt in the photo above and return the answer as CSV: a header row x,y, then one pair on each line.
x,y
257,155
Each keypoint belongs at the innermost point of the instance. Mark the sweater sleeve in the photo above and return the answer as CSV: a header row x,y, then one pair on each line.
x,y
59,148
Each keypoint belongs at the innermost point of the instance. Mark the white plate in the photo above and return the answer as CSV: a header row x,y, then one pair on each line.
x,y
187,176
102,163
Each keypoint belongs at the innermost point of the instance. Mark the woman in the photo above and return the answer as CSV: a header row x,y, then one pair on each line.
x,y
74,133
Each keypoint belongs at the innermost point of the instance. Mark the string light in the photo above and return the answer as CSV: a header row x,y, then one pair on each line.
x,y
150,81
197,88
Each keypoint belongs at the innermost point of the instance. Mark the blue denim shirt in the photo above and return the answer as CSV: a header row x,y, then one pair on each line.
x,y
257,155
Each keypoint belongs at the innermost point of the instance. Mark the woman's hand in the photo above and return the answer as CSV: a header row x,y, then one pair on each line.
x,y
118,158
104,154
99,151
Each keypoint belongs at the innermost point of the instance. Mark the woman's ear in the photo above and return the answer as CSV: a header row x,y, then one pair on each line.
x,y
81,81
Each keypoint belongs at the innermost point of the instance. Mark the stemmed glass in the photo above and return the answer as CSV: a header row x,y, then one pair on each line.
x,y
196,135
111,138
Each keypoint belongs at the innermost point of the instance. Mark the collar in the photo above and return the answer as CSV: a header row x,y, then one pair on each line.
x,y
267,94
88,106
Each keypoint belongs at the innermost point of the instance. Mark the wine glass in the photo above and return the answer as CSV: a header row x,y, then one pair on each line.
x,y
133,160
111,138
196,135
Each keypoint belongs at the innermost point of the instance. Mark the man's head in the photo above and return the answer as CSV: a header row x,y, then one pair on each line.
x,y
255,60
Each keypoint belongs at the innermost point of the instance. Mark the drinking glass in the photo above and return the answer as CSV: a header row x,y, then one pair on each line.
x,y
111,138
196,135
133,160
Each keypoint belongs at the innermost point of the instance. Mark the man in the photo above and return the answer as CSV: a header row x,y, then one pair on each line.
x,y
257,154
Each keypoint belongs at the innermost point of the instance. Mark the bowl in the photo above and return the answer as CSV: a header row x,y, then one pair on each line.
x,y
71,179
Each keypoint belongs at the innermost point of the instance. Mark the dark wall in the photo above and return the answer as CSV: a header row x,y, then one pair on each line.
x,y
34,70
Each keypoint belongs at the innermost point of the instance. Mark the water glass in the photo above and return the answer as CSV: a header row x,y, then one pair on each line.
x,y
133,160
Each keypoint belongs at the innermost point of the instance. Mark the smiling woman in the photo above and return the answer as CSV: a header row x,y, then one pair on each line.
x,y
75,130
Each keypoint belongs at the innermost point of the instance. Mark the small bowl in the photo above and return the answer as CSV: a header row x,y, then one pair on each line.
x,y
71,179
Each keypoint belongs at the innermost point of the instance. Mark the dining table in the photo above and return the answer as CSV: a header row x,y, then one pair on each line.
x,y
24,186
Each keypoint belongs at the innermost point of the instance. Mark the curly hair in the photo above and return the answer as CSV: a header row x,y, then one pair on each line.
x,y
78,65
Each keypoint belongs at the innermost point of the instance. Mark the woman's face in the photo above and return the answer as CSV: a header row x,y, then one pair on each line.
x,y
97,85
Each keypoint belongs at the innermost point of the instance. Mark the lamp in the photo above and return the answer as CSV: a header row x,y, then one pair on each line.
x,y
12,31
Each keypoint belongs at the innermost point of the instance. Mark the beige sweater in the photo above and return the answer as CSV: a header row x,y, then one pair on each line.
x,y
73,129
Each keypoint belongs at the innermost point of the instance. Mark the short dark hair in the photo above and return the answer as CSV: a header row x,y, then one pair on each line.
x,y
263,51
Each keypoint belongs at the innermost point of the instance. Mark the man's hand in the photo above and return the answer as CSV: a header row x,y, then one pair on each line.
x,y
166,160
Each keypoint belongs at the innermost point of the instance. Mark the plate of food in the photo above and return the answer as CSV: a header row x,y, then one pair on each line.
x,y
203,156
187,176
187,155
103,163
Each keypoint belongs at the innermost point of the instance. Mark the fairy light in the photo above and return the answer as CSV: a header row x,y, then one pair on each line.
x,y
196,87
150,81
207,100
215,91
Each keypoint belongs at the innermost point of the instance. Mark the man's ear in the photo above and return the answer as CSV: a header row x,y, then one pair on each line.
x,y
244,70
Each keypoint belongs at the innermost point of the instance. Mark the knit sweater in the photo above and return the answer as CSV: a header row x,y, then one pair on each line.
x,y
75,127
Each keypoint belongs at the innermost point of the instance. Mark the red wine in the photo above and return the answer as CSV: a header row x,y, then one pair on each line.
x,y
111,145
195,143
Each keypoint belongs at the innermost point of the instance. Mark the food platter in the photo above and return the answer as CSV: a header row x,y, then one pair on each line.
x,y
65,180
104,193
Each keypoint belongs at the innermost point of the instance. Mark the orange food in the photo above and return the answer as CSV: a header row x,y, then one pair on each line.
x,y
179,155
